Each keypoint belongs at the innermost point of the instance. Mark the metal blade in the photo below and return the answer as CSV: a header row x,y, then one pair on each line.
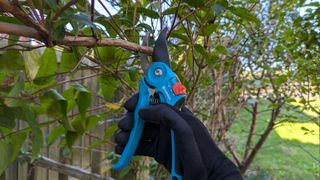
x,y
160,50
143,57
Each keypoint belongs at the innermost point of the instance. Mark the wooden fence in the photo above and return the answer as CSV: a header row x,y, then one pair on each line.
x,y
94,160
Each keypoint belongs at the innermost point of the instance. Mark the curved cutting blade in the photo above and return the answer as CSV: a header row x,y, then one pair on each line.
x,y
160,50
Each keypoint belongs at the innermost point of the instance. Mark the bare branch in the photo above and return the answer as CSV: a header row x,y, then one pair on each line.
x,y
25,31
14,10
19,30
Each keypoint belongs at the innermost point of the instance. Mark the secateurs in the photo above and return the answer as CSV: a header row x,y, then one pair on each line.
x,y
159,85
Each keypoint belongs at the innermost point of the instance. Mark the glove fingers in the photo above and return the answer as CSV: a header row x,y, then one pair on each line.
x,y
150,133
186,146
122,137
130,104
126,123
165,115
144,149
186,110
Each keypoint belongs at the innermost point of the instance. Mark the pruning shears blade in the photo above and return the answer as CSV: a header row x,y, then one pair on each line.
x,y
160,50
143,57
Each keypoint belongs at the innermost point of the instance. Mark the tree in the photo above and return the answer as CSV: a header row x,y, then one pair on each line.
x,y
227,53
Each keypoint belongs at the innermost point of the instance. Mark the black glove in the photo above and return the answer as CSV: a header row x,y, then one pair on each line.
x,y
198,155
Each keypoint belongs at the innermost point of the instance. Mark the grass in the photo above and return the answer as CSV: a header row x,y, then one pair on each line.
x,y
292,150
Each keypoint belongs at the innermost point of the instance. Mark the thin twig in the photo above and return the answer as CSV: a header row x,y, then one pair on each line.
x,y
115,22
174,19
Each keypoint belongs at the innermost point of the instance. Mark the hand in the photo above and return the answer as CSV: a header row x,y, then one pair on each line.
x,y
198,155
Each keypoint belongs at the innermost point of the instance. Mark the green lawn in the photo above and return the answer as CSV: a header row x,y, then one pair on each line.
x,y
288,151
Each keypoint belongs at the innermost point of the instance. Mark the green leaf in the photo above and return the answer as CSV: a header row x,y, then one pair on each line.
x,y
79,124
15,92
11,61
70,95
5,151
58,108
280,80
48,63
10,148
148,12
83,19
213,58
92,121
59,32
31,62
171,10
71,138
108,86
209,29
108,24
17,140
200,49
55,134
51,4
68,61
219,8
83,99
179,35
133,35
195,3
110,131
244,14
29,115
221,49
7,117
133,73
145,26
105,53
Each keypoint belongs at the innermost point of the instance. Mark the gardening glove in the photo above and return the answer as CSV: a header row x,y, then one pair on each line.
x,y
198,156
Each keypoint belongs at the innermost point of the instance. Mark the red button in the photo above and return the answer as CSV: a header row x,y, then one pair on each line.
x,y
178,88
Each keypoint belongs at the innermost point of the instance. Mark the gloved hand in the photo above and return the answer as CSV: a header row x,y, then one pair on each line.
x,y
198,155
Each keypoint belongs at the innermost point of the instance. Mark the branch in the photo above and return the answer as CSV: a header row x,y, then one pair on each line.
x,y
232,152
25,31
252,129
16,12
69,170
90,41
19,30
246,162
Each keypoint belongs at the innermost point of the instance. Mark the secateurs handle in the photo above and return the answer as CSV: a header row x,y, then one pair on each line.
x,y
163,80
137,129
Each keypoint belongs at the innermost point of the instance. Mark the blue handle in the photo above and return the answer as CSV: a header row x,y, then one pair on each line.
x,y
173,174
163,84
137,130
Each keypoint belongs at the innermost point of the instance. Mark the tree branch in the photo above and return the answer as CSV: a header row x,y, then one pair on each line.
x,y
25,31
16,12
19,30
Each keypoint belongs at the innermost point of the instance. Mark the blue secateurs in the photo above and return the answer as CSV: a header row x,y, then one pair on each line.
x,y
160,85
